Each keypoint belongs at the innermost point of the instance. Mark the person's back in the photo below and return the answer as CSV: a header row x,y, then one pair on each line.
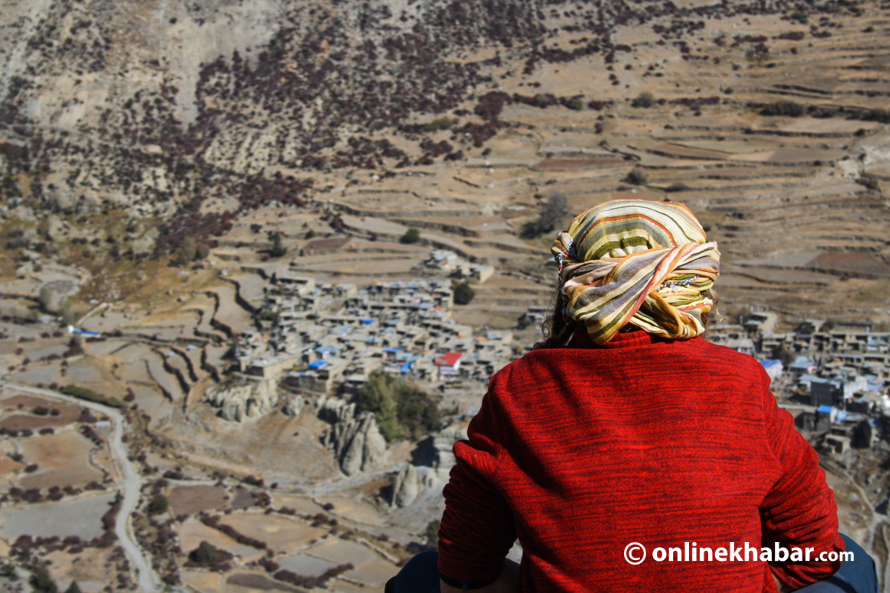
x,y
668,444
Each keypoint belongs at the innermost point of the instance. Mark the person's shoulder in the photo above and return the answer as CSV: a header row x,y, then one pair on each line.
x,y
720,354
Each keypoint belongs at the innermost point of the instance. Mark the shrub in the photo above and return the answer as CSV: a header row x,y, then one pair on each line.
x,y
92,396
205,553
576,104
637,176
442,123
158,504
786,108
410,236
644,100
278,250
402,409
552,212
463,293
42,582
870,181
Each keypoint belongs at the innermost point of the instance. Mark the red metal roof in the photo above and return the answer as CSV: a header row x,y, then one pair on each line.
x,y
449,359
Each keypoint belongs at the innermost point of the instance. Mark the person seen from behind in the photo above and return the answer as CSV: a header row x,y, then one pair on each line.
x,y
624,432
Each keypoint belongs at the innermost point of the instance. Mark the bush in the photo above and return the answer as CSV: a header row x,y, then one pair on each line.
x,y
442,123
205,553
576,104
42,582
463,293
401,409
158,504
637,176
410,236
278,250
675,187
91,396
870,181
786,108
552,212
644,100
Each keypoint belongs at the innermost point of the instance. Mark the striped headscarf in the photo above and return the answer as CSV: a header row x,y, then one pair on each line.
x,y
637,262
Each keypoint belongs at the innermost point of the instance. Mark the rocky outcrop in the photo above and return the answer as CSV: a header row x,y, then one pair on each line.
x,y
354,437
294,405
404,488
246,400
443,443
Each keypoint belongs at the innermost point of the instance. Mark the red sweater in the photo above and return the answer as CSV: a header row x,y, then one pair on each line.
x,y
580,451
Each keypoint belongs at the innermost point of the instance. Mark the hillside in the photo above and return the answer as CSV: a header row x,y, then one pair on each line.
x,y
161,130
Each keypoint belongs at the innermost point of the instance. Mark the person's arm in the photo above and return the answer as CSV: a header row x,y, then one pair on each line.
x,y
799,511
478,527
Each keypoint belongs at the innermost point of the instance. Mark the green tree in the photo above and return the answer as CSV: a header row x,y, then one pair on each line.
x,y
42,582
378,396
402,409
463,293
158,504
552,212
442,123
787,108
205,553
644,100
278,250
187,251
73,588
432,533
417,413
637,176
45,297
782,353
410,236
576,104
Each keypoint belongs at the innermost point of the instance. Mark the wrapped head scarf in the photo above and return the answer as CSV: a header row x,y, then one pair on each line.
x,y
634,262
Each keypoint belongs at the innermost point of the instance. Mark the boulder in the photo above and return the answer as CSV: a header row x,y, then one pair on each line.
x,y
247,400
354,438
404,488
293,406
443,444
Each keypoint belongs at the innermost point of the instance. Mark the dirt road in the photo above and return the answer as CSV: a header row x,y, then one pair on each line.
x,y
148,579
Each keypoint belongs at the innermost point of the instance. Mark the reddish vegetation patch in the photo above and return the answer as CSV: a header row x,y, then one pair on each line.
x,y
189,500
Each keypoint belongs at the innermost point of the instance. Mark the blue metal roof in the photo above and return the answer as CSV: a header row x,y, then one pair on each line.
x,y
317,364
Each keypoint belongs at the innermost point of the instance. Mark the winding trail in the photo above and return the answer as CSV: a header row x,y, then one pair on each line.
x,y
148,579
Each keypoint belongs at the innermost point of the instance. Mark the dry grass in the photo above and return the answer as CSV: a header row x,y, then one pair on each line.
x,y
189,500
63,459
279,533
